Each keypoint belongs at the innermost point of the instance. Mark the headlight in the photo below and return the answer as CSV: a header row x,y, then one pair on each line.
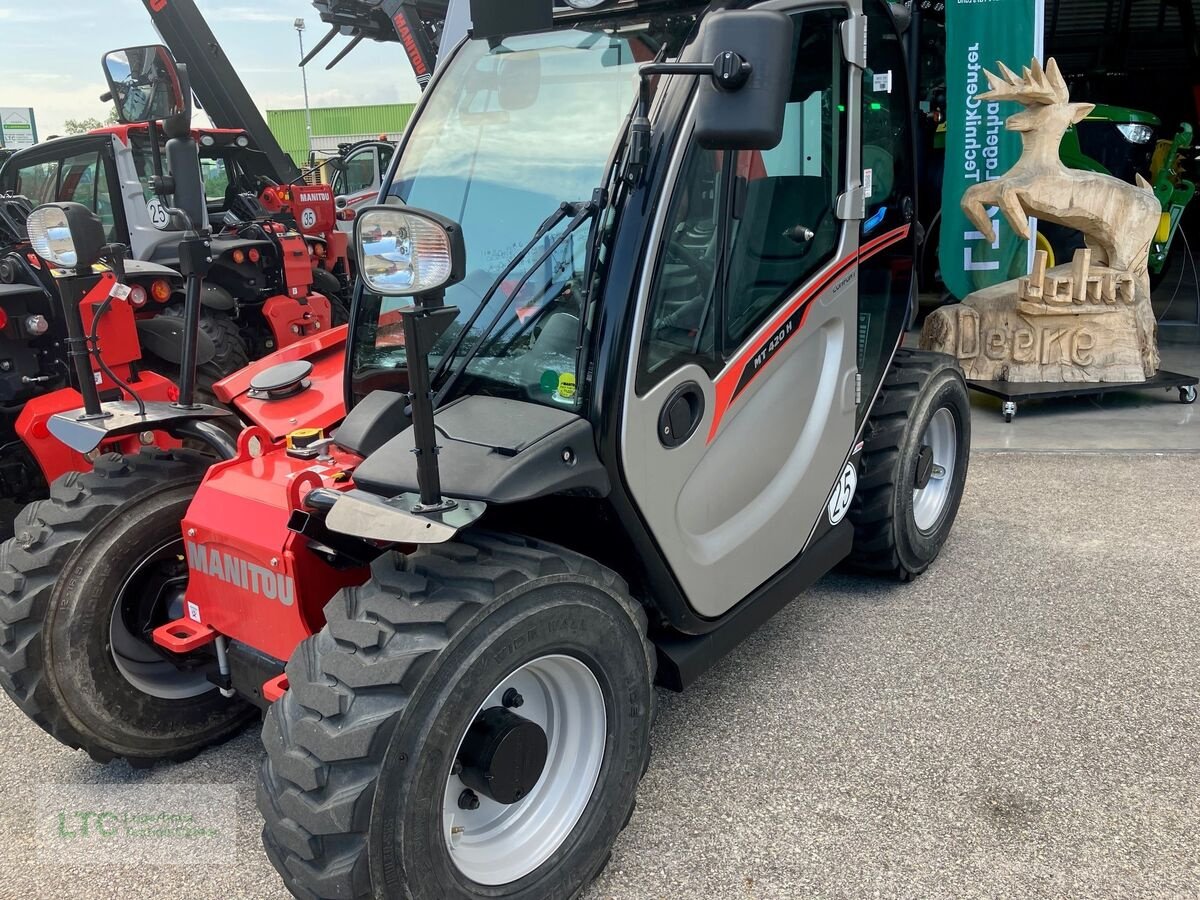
x,y
66,234
1136,133
407,251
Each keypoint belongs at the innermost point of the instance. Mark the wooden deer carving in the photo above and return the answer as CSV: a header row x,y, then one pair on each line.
x,y
1118,219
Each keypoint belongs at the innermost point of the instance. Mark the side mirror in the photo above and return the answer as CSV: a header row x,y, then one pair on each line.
x,y
66,235
145,84
735,112
404,252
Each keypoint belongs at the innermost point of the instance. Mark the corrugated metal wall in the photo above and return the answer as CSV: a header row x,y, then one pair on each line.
x,y
335,125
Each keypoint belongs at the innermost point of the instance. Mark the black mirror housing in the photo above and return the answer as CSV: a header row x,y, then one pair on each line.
x,y
750,115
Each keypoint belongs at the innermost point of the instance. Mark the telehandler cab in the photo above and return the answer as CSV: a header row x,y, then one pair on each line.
x,y
623,378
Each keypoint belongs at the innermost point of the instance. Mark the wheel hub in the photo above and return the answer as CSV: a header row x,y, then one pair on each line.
x,y
503,755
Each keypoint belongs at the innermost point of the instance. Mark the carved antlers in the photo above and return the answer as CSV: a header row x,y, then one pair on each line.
x,y
1033,86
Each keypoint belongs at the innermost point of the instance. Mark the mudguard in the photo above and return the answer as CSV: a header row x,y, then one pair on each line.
x,y
321,404
162,336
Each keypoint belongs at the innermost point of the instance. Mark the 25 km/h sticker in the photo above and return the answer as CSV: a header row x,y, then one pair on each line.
x,y
158,214
843,493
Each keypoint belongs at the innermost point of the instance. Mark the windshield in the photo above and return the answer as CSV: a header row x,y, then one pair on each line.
x,y
512,131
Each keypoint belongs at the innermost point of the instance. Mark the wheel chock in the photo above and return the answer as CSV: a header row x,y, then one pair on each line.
x,y
183,635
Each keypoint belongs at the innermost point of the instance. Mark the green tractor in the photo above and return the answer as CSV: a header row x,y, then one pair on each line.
x,y
1125,142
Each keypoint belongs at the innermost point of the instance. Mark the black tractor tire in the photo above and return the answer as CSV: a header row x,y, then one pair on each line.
x,y
887,539
60,578
231,354
360,747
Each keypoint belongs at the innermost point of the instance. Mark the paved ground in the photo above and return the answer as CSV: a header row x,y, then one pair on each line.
x,y
1021,721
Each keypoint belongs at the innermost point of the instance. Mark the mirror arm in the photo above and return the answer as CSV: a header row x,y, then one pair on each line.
x,y
161,183
729,72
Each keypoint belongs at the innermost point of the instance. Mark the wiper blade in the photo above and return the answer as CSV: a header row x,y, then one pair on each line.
x,y
580,212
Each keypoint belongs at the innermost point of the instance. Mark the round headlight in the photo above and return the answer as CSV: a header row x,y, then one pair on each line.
x,y
407,251
242,141
137,295
207,140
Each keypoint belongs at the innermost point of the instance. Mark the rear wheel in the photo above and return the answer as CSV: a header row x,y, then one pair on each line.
x,y
473,722
914,465
90,572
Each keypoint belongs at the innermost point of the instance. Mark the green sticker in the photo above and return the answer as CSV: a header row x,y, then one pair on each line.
x,y
549,381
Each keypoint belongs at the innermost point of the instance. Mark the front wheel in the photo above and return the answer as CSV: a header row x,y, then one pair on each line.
x,y
473,722
90,572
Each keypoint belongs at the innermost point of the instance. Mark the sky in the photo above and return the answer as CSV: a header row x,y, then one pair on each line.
x,y
52,51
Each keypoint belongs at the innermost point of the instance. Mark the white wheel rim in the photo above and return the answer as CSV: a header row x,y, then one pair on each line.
x,y
497,843
930,502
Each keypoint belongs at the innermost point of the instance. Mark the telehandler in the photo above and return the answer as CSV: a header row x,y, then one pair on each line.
x,y
623,377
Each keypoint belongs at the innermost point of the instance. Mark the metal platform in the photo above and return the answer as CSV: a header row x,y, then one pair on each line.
x,y
1013,392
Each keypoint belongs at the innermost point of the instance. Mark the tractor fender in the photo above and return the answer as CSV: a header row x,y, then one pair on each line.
x,y
162,336
216,297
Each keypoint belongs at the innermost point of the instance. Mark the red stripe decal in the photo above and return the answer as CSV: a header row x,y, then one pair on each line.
x,y
785,324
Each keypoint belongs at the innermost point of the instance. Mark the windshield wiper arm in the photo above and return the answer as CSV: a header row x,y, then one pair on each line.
x,y
563,210
580,212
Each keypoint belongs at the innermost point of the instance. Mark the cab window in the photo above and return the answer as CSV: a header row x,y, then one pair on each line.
x,y
38,182
784,227
82,179
358,174
744,231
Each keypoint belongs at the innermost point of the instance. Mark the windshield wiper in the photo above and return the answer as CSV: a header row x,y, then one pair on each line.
x,y
579,212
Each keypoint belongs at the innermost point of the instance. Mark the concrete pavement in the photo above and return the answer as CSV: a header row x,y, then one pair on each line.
x,y
1023,720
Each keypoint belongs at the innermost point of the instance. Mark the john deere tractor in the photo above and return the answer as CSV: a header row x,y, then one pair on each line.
x,y
624,377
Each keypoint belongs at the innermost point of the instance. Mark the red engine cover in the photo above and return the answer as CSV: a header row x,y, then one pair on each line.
x,y
250,578
322,405
313,208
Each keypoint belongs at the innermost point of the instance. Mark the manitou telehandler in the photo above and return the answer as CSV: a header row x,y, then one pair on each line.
x,y
623,379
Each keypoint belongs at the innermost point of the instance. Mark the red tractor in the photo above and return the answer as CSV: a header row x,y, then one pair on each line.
x,y
624,378
280,269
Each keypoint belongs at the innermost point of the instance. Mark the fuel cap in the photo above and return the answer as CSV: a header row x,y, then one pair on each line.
x,y
281,381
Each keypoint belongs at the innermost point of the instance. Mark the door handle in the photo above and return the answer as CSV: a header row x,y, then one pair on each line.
x,y
681,415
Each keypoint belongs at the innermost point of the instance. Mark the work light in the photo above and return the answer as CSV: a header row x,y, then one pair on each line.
x,y
66,235
407,251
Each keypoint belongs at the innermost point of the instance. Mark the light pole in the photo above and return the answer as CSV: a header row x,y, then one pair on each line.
x,y
299,26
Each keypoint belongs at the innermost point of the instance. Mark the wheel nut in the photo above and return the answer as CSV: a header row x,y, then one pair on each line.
x,y
468,800
512,699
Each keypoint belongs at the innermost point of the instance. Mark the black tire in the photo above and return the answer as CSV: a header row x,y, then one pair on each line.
x,y
60,577
359,748
886,537
231,354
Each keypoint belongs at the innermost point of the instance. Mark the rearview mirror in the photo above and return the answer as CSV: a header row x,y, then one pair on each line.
x,y
404,252
744,113
145,84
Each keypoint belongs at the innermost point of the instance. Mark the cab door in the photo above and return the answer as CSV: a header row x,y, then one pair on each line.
x,y
740,406
359,180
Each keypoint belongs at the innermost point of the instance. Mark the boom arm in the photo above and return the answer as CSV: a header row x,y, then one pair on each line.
x,y
417,25
216,83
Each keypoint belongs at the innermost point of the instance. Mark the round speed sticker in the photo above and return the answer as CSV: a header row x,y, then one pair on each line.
x,y
843,493
158,213
308,218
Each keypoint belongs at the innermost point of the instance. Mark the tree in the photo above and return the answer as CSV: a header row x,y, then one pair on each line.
x,y
82,126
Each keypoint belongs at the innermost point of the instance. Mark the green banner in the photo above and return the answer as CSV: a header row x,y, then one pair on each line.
x,y
978,148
